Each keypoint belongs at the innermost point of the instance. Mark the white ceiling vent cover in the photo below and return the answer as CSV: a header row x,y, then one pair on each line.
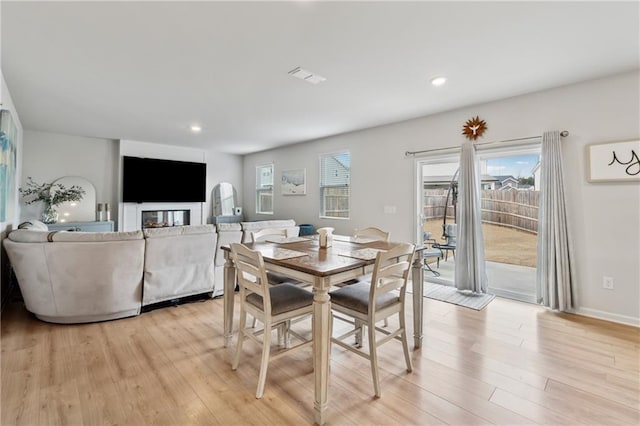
x,y
306,75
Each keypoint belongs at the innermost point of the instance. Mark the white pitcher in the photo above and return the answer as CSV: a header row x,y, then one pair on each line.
x,y
326,237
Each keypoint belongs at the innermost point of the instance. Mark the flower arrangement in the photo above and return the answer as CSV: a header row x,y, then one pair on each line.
x,y
52,194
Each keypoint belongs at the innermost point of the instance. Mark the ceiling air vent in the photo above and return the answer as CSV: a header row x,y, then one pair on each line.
x,y
306,75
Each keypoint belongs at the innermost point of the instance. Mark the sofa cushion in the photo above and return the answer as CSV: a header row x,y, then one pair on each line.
x,y
94,237
179,262
229,227
173,231
30,236
25,235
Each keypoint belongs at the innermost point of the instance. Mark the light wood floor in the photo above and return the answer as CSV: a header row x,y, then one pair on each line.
x,y
511,363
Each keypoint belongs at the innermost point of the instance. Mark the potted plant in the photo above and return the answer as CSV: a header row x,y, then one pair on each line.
x,y
52,195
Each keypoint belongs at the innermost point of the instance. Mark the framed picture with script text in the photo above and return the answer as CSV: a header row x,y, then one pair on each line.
x,y
614,162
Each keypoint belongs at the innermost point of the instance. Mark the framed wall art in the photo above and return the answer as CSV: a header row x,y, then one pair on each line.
x,y
614,162
8,150
294,182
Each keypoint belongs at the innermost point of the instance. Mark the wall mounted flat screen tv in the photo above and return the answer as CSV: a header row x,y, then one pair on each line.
x,y
150,180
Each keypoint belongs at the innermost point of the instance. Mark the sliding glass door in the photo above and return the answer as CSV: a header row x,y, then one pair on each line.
x,y
510,220
437,201
509,180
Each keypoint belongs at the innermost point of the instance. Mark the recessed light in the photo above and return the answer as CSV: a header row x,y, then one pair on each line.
x,y
438,81
196,128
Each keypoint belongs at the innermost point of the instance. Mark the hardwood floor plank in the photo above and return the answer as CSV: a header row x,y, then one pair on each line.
x,y
529,409
511,363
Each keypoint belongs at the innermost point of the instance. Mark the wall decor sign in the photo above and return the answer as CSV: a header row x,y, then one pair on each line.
x,y
614,162
294,182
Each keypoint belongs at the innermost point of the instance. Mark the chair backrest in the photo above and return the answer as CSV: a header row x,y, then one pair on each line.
x,y
252,276
450,233
391,271
372,232
267,232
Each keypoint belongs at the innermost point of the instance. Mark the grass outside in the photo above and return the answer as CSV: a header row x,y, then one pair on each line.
x,y
501,244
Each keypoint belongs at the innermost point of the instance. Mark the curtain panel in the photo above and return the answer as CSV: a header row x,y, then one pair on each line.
x,y
470,271
555,272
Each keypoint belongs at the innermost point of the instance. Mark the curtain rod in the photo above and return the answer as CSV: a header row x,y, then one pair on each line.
x,y
563,133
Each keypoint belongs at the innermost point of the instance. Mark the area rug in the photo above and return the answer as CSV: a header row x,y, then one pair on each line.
x,y
450,294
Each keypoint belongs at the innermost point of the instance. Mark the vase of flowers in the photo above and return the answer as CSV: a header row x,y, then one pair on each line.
x,y
52,195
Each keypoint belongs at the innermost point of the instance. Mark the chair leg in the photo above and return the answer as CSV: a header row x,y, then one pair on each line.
x,y
241,331
281,333
264,365
286,336
405,343
360,327
373,354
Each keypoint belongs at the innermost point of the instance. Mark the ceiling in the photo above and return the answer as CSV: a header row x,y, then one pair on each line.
x,y
146,71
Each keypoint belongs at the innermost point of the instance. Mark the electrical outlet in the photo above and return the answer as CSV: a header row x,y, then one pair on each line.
x,y
607,282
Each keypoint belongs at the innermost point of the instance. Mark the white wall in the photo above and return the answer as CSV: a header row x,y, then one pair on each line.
x,y
604,216
48,156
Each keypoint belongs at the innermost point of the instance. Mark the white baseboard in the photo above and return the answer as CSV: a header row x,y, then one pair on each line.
x,y
594,313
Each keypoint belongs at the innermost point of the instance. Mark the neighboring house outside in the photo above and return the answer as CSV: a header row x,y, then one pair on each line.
x,y
506,182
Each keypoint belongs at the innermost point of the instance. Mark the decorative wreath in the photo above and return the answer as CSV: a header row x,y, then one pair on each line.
x,y
474,127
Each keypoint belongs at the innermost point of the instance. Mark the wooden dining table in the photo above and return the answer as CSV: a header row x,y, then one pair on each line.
x,y
301,258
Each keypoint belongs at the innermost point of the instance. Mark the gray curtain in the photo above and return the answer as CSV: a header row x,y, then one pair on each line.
x,y
470,267
554,278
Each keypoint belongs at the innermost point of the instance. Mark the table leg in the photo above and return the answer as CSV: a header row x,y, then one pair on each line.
x,y
418,289
229,290
321,348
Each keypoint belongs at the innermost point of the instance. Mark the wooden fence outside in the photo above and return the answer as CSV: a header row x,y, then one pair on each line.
x,y
510,208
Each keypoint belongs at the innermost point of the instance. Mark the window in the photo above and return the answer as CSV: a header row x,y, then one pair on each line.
x,y
264,189
335,183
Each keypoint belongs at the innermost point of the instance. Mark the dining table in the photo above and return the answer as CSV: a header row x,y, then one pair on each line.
x,y
302,259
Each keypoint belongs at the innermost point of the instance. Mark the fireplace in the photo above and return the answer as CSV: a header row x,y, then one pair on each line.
x,y
165,218
131,216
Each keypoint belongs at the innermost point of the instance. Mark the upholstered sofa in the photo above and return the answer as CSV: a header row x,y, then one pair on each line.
x,y
77,277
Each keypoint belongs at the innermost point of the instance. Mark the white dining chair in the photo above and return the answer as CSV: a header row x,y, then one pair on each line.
x,y
373,233
274,306
370,302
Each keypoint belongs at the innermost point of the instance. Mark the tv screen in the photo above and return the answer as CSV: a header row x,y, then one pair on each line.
x,y
151,180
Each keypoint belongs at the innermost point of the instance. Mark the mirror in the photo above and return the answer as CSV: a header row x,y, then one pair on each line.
x,y
77,211
224,199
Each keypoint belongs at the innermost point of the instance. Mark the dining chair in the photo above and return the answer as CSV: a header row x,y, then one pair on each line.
x,y
431,251
272,277
370,302
263,234
376,234
373,233
274,306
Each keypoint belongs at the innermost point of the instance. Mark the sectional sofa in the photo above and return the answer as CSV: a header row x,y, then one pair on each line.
x,y
79,277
